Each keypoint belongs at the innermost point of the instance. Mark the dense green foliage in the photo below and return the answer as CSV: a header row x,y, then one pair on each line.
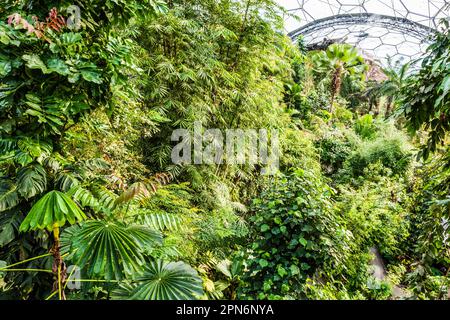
x,y
427,93
295,230
87,180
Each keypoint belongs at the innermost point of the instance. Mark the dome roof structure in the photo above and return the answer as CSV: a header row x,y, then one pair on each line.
x,y
399,29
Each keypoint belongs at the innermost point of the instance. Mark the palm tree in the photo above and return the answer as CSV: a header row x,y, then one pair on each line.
x,y
392,87
337,62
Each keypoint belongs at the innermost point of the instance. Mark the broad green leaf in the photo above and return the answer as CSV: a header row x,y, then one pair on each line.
x,y
74,77
9,196
53,209
267,286
163,281
91,76
6,234
109,249
303,241
33,61
146,237
263,263
89,72
224,267
58,66
294,270
5,68
23,158
281,271
446,85
31,181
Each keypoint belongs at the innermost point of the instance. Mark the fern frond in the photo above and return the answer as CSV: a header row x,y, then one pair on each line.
x,y
84,197
163,221
143,190
106,198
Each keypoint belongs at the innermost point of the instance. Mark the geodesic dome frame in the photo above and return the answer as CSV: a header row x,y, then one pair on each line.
x,y
399,29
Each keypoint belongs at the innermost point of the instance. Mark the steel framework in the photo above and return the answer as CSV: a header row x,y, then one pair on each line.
x,y
379,28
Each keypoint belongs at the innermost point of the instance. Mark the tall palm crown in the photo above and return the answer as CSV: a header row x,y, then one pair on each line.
x,y
336,63
391,88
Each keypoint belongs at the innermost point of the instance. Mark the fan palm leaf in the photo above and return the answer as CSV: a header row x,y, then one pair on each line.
x,y
109,249
163,281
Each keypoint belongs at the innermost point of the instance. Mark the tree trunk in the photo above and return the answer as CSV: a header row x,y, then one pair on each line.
x,y
377,111
335,87
389,106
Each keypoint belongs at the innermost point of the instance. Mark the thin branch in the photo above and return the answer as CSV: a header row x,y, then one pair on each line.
x,y
28,270
27,260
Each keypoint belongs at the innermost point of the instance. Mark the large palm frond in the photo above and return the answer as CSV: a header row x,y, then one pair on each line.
x,y
108,249
163,281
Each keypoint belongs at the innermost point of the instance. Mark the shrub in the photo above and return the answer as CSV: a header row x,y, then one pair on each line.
x,y
365,127
374,211
343,115
389,151
312,103
298,151
334,150
293,228
324,115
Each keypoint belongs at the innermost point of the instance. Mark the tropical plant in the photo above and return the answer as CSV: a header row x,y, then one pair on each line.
x,y
365,127
50,79
109,249
427,93
390,152
428,276
163,281
291,241
52,212
89,194
391,88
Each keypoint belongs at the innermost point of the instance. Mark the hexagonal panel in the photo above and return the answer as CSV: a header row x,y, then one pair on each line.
x,y
374,26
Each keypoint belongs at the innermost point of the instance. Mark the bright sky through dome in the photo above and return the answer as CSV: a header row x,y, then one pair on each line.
x,y
381,42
